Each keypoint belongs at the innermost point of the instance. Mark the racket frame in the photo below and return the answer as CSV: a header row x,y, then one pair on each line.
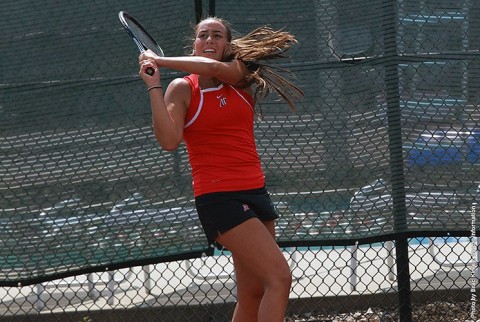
x,y
124,18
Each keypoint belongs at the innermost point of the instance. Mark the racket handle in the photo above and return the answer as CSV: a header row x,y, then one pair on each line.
x,y
150,71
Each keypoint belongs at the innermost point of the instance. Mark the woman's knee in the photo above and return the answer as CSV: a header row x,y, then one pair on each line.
x,y
286,278
282,277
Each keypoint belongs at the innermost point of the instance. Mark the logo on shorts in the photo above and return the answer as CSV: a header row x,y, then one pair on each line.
x,y
245,207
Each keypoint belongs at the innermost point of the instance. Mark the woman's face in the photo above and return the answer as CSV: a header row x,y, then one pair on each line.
x,y
211,39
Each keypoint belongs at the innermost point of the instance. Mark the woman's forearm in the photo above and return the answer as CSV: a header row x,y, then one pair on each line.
x,y
231,72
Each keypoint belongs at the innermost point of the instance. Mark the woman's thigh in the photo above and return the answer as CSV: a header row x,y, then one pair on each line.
x,y
255,250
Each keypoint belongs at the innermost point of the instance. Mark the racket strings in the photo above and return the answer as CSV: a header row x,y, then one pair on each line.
x,y
146,41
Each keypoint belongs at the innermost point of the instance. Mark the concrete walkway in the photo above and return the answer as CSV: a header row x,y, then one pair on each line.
x,y
317,273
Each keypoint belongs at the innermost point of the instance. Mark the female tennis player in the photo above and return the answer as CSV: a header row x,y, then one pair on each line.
x,y
212,110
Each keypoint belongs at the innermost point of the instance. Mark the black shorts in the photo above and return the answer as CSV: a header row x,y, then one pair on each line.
x,y
222,211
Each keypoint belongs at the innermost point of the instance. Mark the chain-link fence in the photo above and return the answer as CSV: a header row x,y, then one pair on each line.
x,y
375,176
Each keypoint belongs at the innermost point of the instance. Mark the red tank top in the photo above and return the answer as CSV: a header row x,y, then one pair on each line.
x,y
220,139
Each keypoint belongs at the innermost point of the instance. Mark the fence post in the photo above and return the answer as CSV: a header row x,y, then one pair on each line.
x,y
396,157
199,9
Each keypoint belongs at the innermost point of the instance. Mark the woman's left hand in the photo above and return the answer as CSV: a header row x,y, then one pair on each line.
x,y
147,55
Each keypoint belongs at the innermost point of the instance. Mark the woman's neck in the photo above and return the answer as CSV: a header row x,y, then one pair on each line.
x,y
208,82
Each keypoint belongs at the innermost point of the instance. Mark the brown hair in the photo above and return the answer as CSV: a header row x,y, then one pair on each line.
x,y
256,49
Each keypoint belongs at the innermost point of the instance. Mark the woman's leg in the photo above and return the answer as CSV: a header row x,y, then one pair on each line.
x,y
250,292
262,272
250,288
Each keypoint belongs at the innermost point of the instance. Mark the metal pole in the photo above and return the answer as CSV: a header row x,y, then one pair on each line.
x,y
396,157
198,10
211,8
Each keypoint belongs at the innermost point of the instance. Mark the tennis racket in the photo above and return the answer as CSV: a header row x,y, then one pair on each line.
x,y
140,37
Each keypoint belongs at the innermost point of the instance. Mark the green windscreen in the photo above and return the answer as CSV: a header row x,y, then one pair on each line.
x,y
385,141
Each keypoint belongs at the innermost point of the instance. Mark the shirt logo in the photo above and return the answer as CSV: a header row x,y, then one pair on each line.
x,y
223,100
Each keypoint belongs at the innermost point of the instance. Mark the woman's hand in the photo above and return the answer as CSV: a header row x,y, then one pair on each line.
x,y
148,54
147,60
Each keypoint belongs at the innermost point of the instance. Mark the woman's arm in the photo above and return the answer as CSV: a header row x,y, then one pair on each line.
x,y
232,72
169,111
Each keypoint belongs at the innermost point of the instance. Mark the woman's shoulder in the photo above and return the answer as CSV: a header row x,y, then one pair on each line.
x,y
179,89
191,79
181,83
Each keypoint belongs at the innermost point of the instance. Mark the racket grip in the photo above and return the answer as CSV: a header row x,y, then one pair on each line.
x,y
150,71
